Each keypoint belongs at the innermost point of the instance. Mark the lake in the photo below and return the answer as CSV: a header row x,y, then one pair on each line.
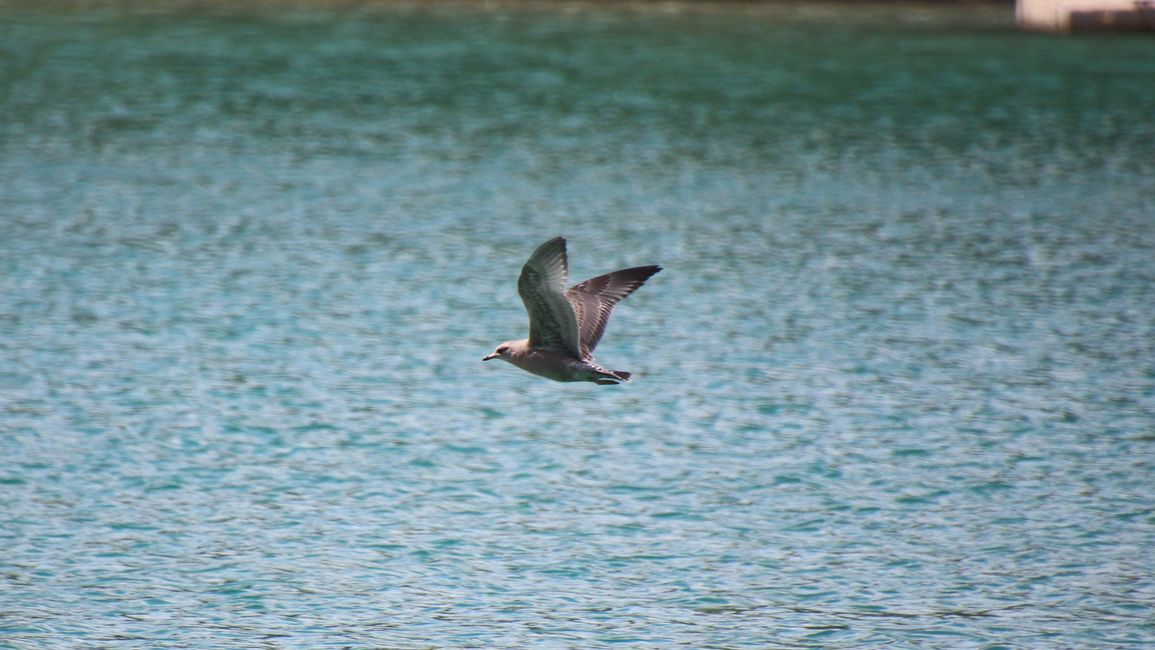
x,y
894,388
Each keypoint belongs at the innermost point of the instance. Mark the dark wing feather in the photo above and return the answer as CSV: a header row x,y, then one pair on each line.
x,y
594,300
552,322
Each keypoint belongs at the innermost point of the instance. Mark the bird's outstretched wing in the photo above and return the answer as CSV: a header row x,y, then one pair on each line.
x,y
552,321
594,300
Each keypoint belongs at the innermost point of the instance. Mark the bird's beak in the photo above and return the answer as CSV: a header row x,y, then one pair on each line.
x,y
489,356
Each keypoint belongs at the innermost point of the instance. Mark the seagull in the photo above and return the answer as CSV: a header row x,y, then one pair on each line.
x,y
566,325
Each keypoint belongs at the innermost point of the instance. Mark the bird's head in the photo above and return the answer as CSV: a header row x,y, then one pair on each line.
x,y
502,352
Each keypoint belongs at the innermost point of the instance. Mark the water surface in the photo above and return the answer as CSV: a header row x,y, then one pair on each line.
x,y
894,387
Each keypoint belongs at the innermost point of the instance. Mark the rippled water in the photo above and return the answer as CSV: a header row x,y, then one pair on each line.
x,y
895,387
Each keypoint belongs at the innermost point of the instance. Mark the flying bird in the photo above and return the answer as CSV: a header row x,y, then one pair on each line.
x,y
566,325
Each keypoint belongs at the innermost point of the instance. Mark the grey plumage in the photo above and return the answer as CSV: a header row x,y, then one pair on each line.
x,y
566,325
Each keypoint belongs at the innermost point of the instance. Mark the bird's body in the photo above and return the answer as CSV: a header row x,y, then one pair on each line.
x,y
566,325
557,365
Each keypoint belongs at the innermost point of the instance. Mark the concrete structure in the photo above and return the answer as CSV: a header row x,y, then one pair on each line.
x,y
1080,15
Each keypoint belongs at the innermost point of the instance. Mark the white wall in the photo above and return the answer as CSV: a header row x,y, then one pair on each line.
x,y
1055,14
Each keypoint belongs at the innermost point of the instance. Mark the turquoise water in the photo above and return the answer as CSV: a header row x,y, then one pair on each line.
x,y
894,388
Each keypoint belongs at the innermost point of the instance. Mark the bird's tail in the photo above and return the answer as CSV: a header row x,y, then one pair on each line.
x,y
611,377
